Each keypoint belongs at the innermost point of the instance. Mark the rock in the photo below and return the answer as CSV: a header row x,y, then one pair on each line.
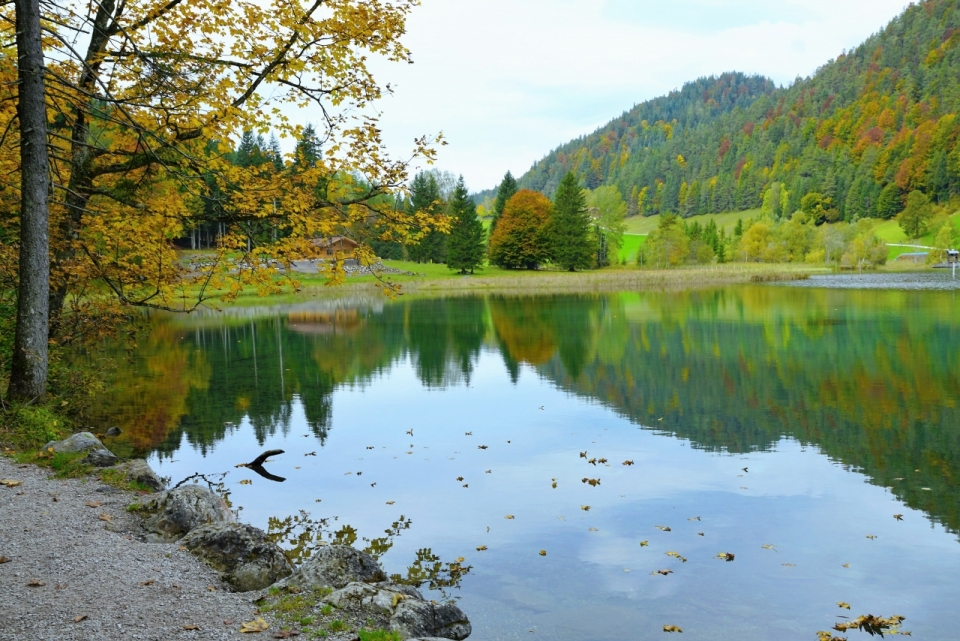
x,y
334,567
373,598
175,512
114,431
100,458
139,470
80,442
414,618
242,554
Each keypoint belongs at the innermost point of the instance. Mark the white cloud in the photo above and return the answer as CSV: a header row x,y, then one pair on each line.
x,y
506,81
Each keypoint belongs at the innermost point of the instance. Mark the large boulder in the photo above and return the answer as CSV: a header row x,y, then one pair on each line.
x,y
242,554
372,598
334,567
175,512
139,471
416,618
100,458
79,442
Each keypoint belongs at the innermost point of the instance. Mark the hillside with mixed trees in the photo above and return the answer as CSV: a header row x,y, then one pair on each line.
x,y
864,131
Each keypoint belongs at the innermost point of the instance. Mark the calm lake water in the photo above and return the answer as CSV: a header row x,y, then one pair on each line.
x,y
798,418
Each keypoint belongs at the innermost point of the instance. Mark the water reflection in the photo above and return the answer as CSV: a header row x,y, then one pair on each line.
x,y
872,378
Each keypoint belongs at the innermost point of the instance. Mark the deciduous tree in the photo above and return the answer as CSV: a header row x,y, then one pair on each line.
x,y
520,240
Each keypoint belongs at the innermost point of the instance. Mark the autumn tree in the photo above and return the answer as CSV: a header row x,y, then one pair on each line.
x,y
520,240
915,216
141,111
466,246
569,231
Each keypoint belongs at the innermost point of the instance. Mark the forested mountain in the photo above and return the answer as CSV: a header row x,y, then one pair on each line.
x,y
864,130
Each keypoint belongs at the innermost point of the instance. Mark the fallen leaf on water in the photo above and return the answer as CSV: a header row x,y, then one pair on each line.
x,y
844,605
585,508
390,502
34,583
644,544
481,447
628,462
310,454
543,553
482,548
190,627
5,559
592,461
105,517
460,478
10,482
466,485
583,455
93,503
246,482
871,536
726,556
593,529
79,618
767,546
602,460
899,517
489,472
671,628
700,534
259,625
662,528
676,555
694,518
509,517
846,565
553,483
592,482
149,582
662,572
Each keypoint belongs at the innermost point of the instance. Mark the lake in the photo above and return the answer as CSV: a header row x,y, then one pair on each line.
x,y
786,426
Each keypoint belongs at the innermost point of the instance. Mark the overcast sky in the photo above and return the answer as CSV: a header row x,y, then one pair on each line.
x,y
506,81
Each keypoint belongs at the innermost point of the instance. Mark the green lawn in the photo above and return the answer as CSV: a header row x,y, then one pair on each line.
x,y
727,221
631,243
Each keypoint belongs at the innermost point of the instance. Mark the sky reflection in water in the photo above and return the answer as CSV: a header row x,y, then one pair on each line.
x,y
825,397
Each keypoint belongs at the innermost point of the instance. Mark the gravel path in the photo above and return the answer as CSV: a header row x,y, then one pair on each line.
x,y
70,560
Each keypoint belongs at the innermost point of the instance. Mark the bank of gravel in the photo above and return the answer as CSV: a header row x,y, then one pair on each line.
x,y
69,560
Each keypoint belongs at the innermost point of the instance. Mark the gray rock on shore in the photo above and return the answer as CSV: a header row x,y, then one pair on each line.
x,y
79,442
334,567
415,618
139,471
242,554
173,513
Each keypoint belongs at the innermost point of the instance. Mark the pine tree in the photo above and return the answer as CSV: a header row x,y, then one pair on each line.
x,y
244,156
308,148
506,190
569,231
276,155
466,246
426,198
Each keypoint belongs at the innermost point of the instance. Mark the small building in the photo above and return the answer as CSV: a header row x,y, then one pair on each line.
x,y
336,244
953,256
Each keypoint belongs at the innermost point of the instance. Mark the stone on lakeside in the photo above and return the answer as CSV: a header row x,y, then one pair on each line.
x,y
79,442
139,470
242,554
334,567
173,513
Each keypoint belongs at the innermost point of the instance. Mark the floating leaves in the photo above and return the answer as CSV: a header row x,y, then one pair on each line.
x,y
694,518
390,502
676,555
726,556
460,478
671,628
846,565
585,508
767,546
899,517
257,625
644,544
482,548
628,462
871,536
10,482
583,455
553,483
593,529
662,572
481,447
246,482
509,517
843,604
543,553
591,482
872,625
662,528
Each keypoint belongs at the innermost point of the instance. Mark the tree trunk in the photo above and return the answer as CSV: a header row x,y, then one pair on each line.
x,y
28,377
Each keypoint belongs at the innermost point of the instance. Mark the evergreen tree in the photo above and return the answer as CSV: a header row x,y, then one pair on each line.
x,y
466,246
276,155
569,230
426,198
308,148
247,151
506,190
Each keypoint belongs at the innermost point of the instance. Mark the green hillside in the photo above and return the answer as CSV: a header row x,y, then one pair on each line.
x,y
863,131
